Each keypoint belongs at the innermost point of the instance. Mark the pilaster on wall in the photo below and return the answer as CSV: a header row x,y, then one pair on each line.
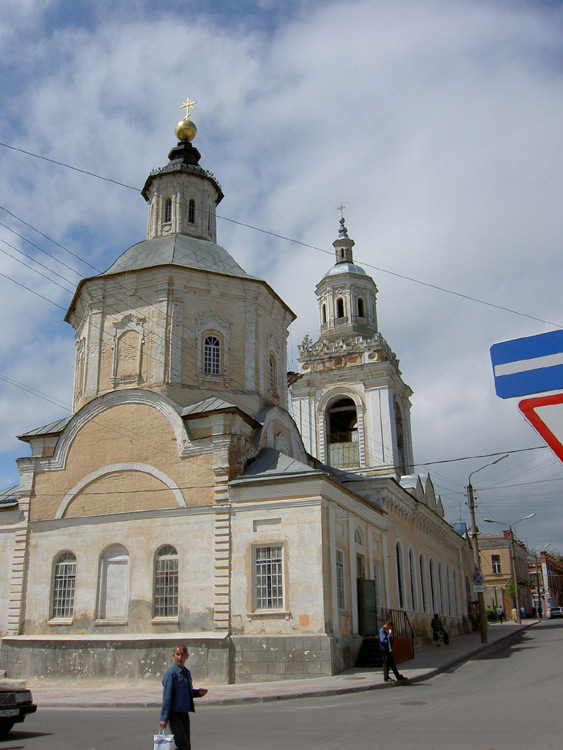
x,y
16,590
222,567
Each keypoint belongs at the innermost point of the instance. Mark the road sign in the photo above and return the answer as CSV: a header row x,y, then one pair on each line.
x,y
533,364
479,589
477,577
545,414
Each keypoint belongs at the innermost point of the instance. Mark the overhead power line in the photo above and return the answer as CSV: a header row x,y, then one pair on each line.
x,y
427,284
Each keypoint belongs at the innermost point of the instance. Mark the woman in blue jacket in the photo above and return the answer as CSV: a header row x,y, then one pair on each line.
x,y
178,699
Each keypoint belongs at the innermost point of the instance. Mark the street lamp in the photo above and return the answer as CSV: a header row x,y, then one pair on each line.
x,y
513,560
475,545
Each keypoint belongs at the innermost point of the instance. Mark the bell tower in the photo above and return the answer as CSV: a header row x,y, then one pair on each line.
x,y
349,400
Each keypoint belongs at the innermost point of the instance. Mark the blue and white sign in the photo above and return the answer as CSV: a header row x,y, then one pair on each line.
x,y
533,364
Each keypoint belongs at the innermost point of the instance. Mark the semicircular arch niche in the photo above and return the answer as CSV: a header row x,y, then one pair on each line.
x,y
121,488
113,587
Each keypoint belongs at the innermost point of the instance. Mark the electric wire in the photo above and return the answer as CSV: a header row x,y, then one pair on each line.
x,y
300,243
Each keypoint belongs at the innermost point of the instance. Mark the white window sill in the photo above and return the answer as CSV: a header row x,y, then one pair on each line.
x,y
110,622
61,621
164,620
268,613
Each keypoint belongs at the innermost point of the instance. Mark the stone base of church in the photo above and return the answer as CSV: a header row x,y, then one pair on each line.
x,y
215,659
292,657
129,658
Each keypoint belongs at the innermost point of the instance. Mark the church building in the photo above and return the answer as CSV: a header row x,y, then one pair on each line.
x,y
182,502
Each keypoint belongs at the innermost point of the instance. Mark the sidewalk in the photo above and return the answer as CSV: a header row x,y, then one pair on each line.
x,y
428,662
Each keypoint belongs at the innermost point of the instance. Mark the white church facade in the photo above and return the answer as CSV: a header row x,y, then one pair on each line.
x,y
181,501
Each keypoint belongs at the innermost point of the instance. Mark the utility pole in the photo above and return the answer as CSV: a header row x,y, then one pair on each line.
x,y
477,561
514,577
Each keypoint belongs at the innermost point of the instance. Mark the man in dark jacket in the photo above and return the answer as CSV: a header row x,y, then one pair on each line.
x,y
178,699
386,648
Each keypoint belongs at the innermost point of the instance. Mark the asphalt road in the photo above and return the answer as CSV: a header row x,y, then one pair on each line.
x,y
510,698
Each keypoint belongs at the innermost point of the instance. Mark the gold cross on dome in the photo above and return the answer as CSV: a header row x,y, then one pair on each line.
x,y
187,105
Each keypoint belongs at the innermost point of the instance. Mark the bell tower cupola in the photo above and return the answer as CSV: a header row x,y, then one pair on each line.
x,y
182,196
346,294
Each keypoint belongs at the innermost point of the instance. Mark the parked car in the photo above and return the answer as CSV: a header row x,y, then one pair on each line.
x,y
15,704
556,612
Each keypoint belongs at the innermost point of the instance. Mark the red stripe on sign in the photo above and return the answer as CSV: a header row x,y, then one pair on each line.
x,y
528,408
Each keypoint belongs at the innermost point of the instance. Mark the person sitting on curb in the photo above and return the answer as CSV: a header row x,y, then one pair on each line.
x,y
386,648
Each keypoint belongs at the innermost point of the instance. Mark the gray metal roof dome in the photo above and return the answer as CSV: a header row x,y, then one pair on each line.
x,y
177,250
344,267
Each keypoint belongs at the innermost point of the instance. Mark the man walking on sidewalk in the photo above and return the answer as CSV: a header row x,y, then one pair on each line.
x,y
386,648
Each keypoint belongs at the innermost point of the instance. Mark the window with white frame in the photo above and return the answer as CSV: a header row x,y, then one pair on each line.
x,y
64,585
212,355
340,578
272,373
495,559
167,210
166,582
268,577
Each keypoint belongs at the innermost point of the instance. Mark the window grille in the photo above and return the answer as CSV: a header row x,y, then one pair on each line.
x,y
212,355
166,583
64,584
268,576
168,210
340,590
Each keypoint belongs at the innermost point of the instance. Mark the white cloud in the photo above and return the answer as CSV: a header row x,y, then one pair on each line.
x,y
436,124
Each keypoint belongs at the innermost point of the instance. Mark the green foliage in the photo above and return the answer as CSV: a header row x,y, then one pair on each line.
x,y
492,615
307,343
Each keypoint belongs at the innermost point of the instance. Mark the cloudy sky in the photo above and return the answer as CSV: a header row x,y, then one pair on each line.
x,y
437,123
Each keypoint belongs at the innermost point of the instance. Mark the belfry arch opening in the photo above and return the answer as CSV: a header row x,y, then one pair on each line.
x,y
342,435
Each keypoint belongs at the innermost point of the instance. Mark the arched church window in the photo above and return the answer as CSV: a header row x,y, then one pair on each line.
x,y
272,373
361,308
400,439
191,211
166,582
64,584
340,307
212,355
432,592
168,210
400,574
412,574
323,314
113,597
343,445
422,583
